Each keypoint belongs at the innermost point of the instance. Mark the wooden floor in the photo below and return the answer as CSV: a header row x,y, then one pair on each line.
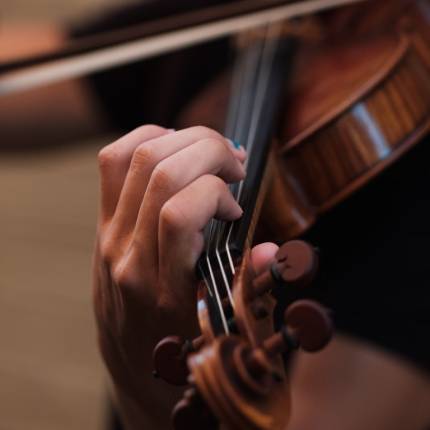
x,y
51,376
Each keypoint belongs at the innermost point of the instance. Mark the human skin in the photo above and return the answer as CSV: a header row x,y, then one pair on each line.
x,y
159,188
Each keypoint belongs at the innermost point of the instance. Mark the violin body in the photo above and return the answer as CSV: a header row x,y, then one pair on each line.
x,y
371,105
368,104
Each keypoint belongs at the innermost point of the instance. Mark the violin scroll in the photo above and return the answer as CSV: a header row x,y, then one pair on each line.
x,y
243,385
238,378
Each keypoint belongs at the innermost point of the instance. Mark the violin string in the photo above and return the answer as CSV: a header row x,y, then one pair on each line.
x,y
234,109
269,50
212,286
232,128
263,74
230,230
262,84
211,228
234,114
224,275
217,296
212,289
250,65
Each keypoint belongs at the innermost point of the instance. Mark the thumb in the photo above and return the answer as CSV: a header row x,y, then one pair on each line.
x,y
262,256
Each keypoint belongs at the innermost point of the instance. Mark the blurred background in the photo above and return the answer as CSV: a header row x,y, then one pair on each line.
x,y
51,376
50,11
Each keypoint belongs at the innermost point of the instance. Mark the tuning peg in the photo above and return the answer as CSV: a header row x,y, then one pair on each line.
x,y
191,412
296,264
170,358
310,323
307,325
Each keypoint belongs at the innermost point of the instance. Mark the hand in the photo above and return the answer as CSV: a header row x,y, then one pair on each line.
x,y
159,189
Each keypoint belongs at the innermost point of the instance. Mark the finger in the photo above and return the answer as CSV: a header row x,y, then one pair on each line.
x,y
145,159
262,256
204,157
238,150
182,220
114,161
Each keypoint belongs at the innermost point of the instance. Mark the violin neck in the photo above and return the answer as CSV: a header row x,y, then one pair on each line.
x,y
252,117
257,91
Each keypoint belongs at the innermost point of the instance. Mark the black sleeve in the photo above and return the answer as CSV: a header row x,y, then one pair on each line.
x,y
375,259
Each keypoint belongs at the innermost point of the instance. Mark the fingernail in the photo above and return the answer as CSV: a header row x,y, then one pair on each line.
x,y
237,212
235,144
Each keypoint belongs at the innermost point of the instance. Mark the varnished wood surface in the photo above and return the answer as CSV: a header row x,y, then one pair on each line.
x,y
220,372
356,106
51,376
348,127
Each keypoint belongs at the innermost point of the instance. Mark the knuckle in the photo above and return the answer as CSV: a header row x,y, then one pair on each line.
x,y
171,217
143,156
123,277
107,252
160,180
148,130
217,145
107,157
216,184
206,132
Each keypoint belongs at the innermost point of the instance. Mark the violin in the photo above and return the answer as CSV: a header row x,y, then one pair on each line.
x,y
342,130
311,142
371,107
236,361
